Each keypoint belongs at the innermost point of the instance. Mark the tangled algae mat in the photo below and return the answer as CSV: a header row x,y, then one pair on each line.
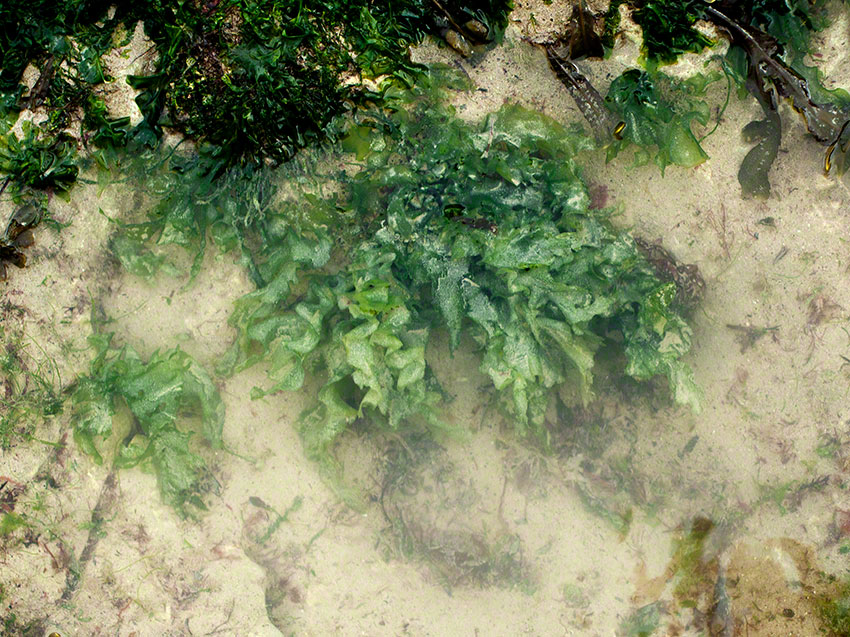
x,y
646,518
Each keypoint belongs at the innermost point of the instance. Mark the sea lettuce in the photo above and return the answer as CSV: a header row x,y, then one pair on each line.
x,y
158,393
658,111
481,229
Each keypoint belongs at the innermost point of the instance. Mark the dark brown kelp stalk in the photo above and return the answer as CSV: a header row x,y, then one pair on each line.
x,y
769,79
582,40
589,101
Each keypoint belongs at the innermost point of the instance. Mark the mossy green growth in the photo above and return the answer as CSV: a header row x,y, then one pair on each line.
x,y
834,609
10,522
642,622
30,387
11,625
689,564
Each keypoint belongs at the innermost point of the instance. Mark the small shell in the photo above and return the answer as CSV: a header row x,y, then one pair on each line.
x,y
618,130
477,30
458,43
26,215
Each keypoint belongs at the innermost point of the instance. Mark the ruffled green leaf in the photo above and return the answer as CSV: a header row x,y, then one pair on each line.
x,y
158,394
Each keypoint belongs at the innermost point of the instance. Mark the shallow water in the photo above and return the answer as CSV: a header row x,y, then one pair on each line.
x,y
645,514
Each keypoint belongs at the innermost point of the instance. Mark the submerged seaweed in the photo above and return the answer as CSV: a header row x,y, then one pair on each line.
x,y
658,112
157,393
482,230
535,277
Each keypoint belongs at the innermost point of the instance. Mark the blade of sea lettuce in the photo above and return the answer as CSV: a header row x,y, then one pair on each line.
x,y
473,228
659,112
158,393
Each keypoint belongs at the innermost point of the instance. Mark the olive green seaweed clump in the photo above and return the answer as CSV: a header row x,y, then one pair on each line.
x,y
151,398
479,229
834,610
30,385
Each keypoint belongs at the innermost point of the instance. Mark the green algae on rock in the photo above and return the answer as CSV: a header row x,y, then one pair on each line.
x,y
257,79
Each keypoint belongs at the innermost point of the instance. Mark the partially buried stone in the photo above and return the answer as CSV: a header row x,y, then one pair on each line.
x,y
458,43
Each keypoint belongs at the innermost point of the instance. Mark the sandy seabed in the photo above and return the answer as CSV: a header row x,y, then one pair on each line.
x,y
763,469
